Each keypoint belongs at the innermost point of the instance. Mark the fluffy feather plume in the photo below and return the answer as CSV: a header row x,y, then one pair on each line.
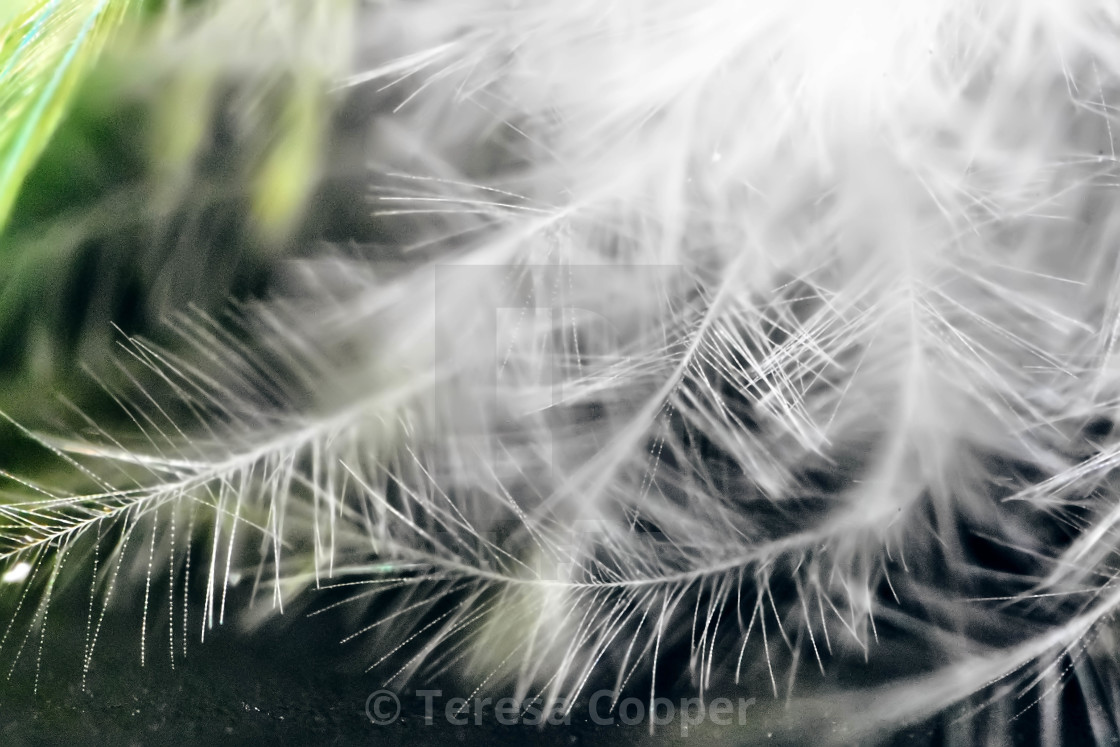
x,y
749,342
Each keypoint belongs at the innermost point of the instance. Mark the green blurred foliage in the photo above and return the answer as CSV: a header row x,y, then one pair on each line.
x,y
46,50
180,173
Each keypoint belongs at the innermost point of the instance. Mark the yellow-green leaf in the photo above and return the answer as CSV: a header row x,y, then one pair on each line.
x,y
289,171
46,47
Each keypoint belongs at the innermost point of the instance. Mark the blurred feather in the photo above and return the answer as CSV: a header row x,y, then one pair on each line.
x,y
730,344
